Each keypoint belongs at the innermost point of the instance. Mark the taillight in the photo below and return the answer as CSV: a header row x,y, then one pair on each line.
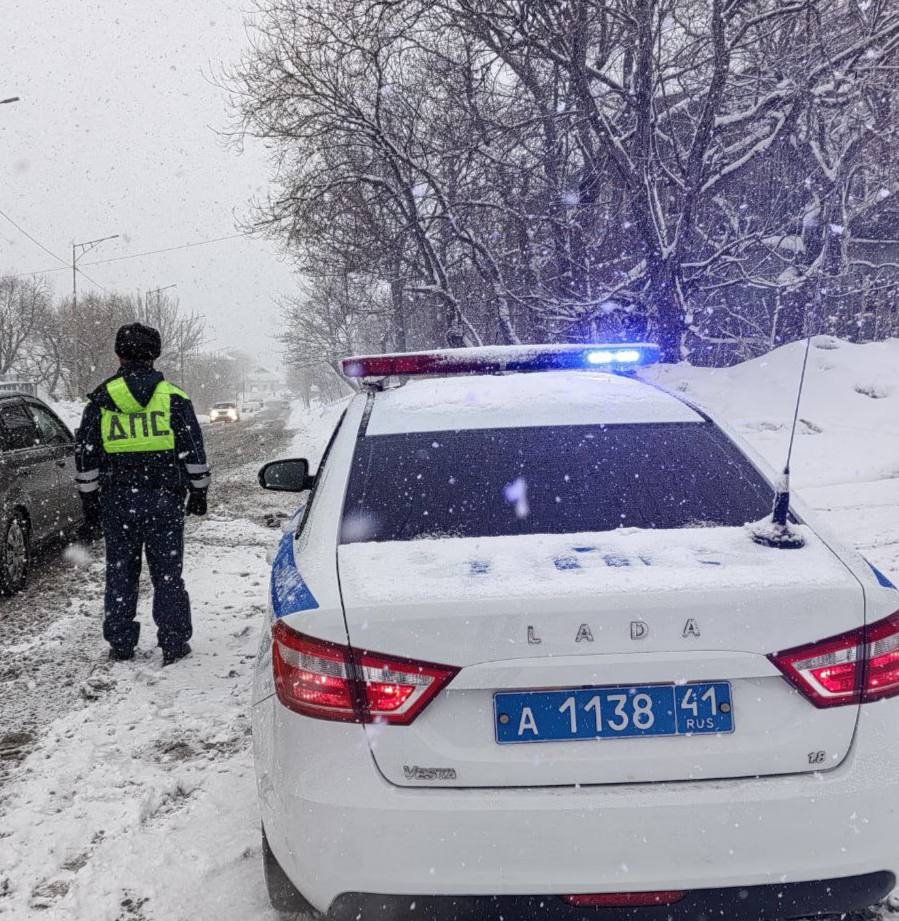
x,y
855,667
882,663
330,681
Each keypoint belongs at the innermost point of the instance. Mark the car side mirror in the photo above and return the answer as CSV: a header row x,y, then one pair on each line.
x,y
286,475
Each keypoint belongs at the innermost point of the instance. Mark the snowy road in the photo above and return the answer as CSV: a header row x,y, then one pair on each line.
x,y
60,603
126,752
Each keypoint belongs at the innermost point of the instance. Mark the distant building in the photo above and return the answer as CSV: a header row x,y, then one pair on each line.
x,y
261,383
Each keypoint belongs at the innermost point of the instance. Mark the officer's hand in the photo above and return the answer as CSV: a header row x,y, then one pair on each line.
x,y
196,502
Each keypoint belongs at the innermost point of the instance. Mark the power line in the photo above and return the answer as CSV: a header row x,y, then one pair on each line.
x,y
49,252
22,230
150,252
91,280
168,249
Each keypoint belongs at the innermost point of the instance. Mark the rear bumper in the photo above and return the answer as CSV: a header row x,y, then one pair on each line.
x,y
336,826
739,903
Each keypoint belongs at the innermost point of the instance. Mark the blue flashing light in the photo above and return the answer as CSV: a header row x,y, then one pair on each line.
x,y
615,357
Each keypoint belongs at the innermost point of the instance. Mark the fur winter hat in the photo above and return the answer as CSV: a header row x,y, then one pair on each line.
x,y
136,342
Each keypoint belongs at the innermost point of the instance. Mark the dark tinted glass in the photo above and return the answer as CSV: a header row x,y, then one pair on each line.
x,y
558,480
17,429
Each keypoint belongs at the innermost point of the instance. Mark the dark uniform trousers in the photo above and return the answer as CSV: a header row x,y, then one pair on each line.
x,y
137,520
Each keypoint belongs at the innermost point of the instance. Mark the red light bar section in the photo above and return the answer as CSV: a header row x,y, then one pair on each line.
x,y
624,899
496,359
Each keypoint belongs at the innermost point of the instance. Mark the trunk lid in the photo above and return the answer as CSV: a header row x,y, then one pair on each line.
x,y
626,608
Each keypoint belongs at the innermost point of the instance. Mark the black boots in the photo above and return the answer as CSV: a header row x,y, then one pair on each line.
x,y
173,655
168,655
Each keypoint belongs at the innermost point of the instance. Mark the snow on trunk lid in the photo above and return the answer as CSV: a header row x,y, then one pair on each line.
x,y
629,608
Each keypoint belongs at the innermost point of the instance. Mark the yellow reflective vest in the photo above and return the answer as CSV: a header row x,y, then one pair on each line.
x,y
134,428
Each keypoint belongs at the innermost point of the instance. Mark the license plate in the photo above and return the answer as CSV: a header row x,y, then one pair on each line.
x,y
697,708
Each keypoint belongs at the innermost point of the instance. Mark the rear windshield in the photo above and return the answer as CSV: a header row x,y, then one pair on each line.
x,y
549,480
224,406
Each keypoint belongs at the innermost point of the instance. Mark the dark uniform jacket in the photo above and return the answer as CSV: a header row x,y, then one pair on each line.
x,y
183,468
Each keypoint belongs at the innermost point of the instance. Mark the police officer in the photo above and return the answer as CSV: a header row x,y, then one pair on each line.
x,y
139,454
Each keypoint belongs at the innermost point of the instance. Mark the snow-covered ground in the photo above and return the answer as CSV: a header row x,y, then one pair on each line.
x,y
138,803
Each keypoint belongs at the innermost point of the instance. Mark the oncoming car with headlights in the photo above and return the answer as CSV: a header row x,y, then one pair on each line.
x,y
524,655
224,412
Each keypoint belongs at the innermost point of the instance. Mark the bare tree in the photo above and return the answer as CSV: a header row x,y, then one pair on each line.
x,y
84,335
333,316
181,334
691,170
24,308
682,104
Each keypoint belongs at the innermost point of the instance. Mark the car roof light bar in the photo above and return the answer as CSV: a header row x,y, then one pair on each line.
x,y
617,357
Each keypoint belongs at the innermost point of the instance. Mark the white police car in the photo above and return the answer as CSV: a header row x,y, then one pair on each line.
x,y
526,657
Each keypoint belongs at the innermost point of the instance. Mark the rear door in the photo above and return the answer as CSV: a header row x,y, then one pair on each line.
x,y
32,466
500,552
57,439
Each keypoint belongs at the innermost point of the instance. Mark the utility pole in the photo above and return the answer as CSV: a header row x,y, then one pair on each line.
x,y
181,350
76,255
158,293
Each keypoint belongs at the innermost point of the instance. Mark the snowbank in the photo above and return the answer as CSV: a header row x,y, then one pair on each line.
x,y
312,426
849,416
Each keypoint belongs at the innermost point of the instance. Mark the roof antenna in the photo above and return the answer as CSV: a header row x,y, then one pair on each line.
x,y
777,532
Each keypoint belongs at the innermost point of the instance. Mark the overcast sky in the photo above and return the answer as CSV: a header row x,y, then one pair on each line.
x,y
115,133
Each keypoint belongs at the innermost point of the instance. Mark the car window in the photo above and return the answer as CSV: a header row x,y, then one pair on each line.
x,y
17,428
549,480
50,430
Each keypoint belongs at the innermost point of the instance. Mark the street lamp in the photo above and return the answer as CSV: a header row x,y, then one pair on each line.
x,y
158,293
160,290
85,248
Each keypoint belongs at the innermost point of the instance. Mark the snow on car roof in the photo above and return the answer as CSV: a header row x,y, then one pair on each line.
x,y
522,400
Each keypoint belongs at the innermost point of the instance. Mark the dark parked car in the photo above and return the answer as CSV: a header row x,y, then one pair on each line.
x,y
38,497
